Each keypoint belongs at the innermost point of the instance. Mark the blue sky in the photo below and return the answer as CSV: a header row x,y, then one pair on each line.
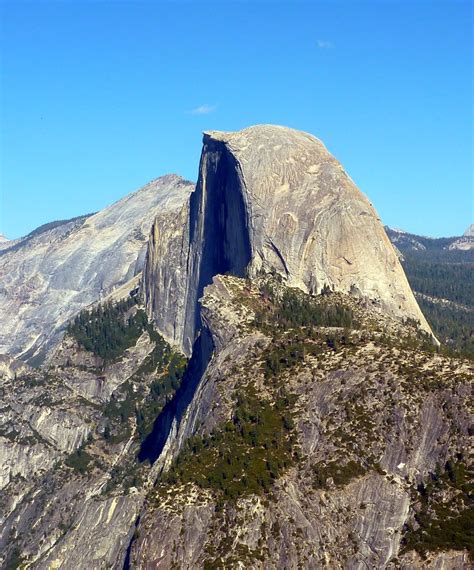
x,y
97,98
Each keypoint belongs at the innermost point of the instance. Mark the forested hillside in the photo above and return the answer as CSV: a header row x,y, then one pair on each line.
x,y
443,280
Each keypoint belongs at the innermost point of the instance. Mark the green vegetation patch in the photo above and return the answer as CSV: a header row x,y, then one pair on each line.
x,y
445,274
79,460
246,455
445,519
288,351
125,475
294,309
129,402
106,330
118,411
281,356
446,280
160,388
454,326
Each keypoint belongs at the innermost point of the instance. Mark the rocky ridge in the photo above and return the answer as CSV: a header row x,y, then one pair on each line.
x,y
50,275
415,243
469,232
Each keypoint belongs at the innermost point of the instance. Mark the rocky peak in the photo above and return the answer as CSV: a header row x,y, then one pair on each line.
x,y
466,241
4,242
274,200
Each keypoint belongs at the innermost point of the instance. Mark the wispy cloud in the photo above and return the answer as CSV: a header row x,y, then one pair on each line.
x,y
324,44
203,110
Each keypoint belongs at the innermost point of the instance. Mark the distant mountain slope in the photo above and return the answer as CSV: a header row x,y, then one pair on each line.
x,y
442,249
441,273
56,270
13,245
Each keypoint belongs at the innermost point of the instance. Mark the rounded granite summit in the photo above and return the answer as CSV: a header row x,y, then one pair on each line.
x,y
272,199
305,217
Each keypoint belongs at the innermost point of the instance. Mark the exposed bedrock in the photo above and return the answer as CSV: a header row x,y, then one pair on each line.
x,y
271,199
50,275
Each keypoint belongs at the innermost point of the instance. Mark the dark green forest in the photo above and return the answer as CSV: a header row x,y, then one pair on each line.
x,y
443,274
451,323
107,330
453,326
453,281
295,310
246,455
441,524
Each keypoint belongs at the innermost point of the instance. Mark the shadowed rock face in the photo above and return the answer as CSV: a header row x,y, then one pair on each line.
x,y
49,276
210,236
273,199
219,233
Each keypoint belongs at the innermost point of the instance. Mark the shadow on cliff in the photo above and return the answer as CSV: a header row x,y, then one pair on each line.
x,y
219,239
154,443
219,244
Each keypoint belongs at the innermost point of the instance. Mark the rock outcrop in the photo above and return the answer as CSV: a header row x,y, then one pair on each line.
x,y
272,199
48,276
71,487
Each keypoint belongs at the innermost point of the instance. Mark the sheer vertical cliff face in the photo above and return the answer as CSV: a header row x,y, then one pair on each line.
x,y
165,275
219,233
210,236
272,199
